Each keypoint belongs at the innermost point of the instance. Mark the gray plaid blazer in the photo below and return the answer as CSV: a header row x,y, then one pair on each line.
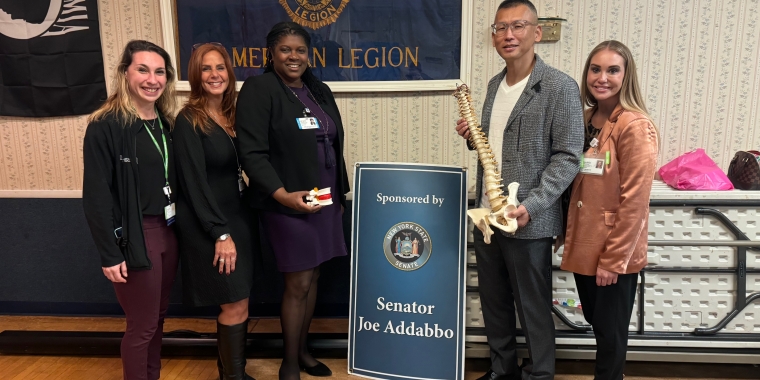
x,y
542,145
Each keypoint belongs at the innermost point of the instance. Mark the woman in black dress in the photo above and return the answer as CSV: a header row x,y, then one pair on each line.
x,y
217,231
291,141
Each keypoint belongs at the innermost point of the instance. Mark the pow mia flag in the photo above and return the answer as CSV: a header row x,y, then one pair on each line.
x,y
51,62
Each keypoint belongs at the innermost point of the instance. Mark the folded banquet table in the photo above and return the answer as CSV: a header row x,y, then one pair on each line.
x,y
698,299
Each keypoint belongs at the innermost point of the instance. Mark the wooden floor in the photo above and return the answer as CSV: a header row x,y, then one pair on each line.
x,y
14,367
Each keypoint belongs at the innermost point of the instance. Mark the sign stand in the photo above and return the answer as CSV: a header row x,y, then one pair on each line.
x,y
408,262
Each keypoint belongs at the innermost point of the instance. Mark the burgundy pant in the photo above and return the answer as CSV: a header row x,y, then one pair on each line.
x,y
145,298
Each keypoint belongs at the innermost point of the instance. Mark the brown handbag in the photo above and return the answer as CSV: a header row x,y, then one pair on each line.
x,y
744,170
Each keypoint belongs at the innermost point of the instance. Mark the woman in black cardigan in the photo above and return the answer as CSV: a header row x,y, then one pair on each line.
x,y
128,196
285,157
217,231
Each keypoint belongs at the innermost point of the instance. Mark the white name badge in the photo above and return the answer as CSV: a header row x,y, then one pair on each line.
x,y
307,123
593,166
169,212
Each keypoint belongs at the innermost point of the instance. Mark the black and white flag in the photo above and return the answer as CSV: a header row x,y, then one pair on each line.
x,y
51,61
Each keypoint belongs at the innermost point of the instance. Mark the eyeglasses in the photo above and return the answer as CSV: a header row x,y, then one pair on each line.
x,y
199,44
518,27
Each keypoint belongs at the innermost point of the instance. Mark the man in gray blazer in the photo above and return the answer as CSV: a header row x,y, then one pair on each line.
x,y
534,122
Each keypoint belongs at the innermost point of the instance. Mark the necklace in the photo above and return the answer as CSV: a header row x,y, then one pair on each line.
x,y
590,140
152,125
225,126
230,132
241,182
329,153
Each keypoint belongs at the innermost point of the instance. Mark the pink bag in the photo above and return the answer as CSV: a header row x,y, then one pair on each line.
x,y
694,171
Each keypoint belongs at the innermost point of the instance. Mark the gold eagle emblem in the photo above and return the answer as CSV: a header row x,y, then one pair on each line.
x,y
314,14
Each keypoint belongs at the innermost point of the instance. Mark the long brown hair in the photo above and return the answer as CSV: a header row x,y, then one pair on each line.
x,y
195,108
120,103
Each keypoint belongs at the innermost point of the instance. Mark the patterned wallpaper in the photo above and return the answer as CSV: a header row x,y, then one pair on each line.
x,y
697,65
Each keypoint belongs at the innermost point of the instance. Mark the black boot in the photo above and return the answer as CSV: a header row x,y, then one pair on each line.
x,y
231,344
221,370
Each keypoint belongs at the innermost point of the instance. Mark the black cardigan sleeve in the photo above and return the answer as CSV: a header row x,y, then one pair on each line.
x,y
252,118
98,191
191,173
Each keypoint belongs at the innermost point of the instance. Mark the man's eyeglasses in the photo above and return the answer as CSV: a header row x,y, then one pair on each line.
x,y
199,44
518,27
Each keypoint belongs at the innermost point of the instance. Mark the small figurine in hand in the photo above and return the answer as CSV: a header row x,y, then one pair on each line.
x,y
319,197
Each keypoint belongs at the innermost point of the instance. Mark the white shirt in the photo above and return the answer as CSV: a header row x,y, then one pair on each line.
x,y
503,104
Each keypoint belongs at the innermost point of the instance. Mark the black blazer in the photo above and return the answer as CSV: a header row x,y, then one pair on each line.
x,y
273,152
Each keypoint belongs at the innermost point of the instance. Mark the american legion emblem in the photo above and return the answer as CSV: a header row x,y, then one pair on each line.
x,y
314,14
407,246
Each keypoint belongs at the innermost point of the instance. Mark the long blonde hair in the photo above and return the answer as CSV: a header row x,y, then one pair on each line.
x,y
196,103
119,102
630,92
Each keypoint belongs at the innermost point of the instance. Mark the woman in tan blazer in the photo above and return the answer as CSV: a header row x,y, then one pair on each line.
x,y
606,237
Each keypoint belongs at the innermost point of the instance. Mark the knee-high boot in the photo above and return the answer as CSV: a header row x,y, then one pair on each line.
x,y
231,344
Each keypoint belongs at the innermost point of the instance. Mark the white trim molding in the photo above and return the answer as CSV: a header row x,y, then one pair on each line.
x,y
40,193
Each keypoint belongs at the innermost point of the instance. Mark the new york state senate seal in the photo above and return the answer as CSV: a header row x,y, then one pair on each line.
x,y
314,14
407,246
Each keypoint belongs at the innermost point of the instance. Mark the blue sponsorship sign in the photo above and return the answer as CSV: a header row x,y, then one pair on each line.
x,y
408,258
352,40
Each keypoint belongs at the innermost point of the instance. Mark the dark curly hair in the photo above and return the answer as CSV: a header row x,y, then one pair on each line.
x,y
274,36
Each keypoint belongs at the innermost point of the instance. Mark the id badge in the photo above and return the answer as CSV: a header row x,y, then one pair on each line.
x,y
241,185
169,212
593,166
307,123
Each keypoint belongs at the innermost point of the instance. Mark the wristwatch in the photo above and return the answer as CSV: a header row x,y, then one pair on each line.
x,y
223,237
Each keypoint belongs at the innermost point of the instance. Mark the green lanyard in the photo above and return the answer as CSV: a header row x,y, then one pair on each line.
x,y
165,153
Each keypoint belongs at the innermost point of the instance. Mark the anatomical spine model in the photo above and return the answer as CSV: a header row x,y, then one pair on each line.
x,y
500,205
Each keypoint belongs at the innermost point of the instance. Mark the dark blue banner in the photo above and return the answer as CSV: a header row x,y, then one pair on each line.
x,y
408,261
352,40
